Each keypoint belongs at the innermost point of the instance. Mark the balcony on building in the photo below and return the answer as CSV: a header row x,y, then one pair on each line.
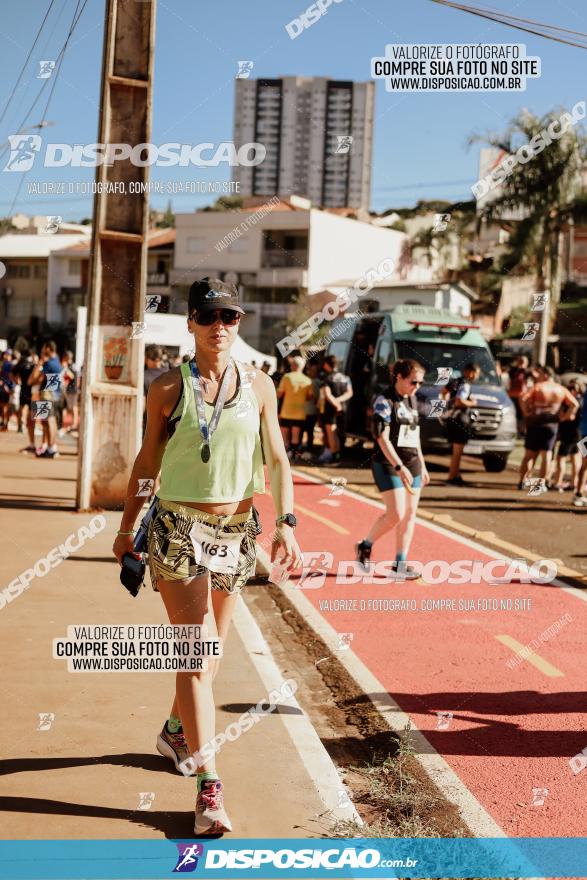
x,y
284,259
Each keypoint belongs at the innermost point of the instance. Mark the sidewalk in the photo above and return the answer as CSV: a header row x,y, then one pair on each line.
x,y
83,777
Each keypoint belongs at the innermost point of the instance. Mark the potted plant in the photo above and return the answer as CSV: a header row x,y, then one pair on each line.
x,y
115,351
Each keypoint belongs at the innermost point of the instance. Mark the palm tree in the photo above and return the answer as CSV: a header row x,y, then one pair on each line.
x,y
541,192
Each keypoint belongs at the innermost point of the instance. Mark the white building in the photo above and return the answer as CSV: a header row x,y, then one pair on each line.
x,y
318,134
279,255
25,300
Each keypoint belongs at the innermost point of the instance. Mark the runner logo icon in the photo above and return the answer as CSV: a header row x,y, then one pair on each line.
x,y
188,855
315,569
23,151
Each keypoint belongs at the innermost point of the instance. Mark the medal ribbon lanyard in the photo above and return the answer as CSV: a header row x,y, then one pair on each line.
x,y
207,430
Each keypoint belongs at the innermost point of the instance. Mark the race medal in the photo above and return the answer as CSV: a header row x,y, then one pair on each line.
x,y
207,430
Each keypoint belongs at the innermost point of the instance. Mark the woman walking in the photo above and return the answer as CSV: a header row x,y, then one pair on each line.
x,y
398,464
202,432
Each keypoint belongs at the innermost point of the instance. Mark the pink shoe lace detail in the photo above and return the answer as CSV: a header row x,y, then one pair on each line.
x,y
178,740
211,795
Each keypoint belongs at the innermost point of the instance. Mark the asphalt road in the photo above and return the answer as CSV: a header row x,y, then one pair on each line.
x,y
548,524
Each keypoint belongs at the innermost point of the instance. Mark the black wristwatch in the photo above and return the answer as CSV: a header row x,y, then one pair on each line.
x,y
287,518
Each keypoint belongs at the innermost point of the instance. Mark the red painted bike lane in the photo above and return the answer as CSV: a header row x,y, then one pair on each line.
x,y
508,726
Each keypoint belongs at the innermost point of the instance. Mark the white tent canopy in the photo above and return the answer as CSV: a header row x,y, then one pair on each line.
x,y
172,330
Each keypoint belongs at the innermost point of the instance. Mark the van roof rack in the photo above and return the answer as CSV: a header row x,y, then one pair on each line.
x,y
418,324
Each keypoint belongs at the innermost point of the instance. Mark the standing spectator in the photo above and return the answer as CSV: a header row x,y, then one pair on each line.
x,y
21,373
458,424
49,365
544,405
313,373
335,391
6,386
580,500
70,388
518,385
153,365
569,434
14,402
294,390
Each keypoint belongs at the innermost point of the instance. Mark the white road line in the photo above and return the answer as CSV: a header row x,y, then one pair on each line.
x,y
476,817
455,536
308,744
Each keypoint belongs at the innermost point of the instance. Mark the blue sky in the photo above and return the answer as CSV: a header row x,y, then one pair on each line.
x,y
420,147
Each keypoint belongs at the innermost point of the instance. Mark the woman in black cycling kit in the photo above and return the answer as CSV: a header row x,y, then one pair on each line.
x,y
398,464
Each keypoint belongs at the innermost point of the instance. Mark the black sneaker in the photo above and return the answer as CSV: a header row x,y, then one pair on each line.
x,y
456,481
48,453
364,554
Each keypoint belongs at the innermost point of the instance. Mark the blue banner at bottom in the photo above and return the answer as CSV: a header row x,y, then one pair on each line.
x,y
543,857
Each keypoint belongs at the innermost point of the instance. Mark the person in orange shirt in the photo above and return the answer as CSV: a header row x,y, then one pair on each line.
x,y
295,389
543,406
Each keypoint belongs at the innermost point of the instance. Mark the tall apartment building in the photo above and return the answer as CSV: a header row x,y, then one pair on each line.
x,y
304,123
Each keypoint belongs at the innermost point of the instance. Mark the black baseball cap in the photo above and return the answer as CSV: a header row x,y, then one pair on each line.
x,y
210,294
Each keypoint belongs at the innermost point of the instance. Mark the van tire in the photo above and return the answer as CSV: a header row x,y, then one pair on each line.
x,y
494,462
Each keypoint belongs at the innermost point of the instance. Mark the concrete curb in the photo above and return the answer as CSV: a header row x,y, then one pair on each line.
x,y
308,744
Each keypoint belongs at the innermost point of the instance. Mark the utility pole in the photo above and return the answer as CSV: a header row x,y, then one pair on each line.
x,y
112,386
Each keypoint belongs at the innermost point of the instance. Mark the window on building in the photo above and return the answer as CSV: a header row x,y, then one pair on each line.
x,y
18,270
40,270
73,267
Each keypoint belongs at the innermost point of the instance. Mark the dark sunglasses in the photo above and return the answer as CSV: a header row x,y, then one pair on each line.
x,y
227,316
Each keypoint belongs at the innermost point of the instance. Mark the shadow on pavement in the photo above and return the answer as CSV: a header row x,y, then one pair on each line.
x,y
156,763
239,708
491,736
22,503
171,825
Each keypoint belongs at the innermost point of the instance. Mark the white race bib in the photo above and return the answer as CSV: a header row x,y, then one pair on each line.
x,y
216,554
409,435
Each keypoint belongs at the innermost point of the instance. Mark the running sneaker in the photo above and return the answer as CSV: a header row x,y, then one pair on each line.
x,y
404,571
28,449
456,481
579,501
326,457
173,746
211,817
363,551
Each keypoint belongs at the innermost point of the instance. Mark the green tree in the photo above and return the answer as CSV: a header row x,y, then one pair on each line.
x,y
225,203
538,196
168,219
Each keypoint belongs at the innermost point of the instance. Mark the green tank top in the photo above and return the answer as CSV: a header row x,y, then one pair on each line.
x,y
235,469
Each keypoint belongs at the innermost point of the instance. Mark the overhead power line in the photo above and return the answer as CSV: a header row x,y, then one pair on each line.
x,y
58,61
26,61
538,28
74,21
